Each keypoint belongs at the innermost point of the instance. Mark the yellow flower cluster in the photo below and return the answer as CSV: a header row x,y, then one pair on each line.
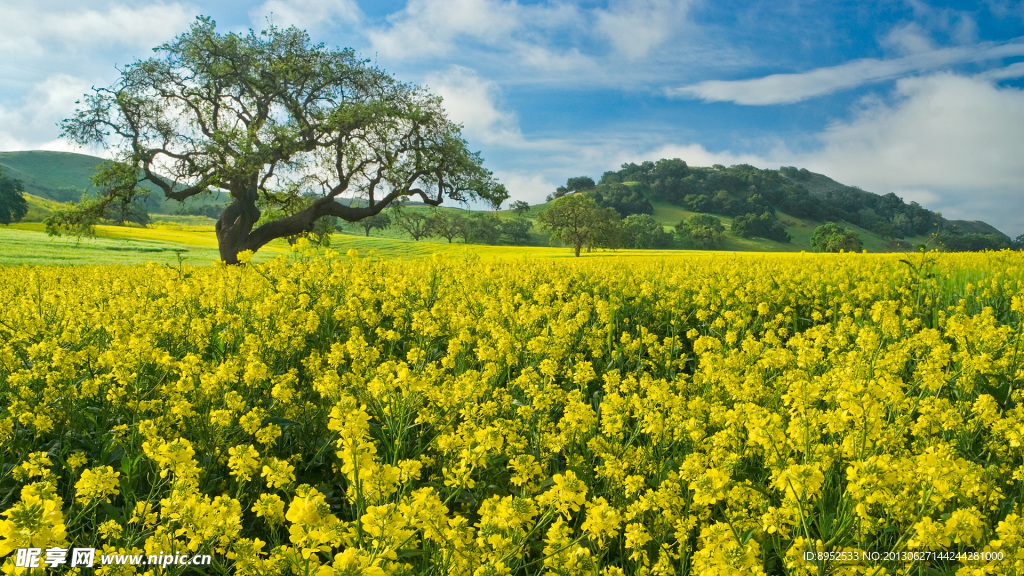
x,y
695,414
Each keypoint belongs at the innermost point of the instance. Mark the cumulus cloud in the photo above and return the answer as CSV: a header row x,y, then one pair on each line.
x,y
527,186
950,142
432,27
38,28
474,102
635,27
306,14
790,88
32,123
698,155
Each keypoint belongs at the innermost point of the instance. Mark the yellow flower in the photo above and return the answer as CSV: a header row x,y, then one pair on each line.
x,y
95,483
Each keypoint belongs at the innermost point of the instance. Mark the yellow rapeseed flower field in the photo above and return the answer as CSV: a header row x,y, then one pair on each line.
x,y
328,414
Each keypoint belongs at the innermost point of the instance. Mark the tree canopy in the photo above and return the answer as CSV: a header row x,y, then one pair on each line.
x,y
831,237
13,205
269,117
577,220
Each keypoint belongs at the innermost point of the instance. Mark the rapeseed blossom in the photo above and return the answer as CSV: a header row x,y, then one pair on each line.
x,y
701,414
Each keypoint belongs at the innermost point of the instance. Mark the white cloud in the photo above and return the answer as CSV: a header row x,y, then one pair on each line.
x,y
698,155
306,14
790,88
635,27
909,38
428,28
32,123
38,28
473,102
950,142
530,187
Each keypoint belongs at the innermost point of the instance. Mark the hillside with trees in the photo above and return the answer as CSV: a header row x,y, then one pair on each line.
x,y
762,203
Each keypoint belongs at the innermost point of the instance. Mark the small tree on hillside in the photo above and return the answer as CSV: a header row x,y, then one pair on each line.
x,y
380,221
13,205
574,184
447,223
520,207
483,228
577,220
516,230
416,224
702,231
831,237
643,231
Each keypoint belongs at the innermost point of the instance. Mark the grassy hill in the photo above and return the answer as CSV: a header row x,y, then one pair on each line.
x,y
64,176
58,176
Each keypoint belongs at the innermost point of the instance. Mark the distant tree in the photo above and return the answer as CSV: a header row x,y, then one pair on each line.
x,y
379,221
520,207
13,205
696,202
624,199
1018,243
953,240
416,224
723,202
579,183
831,237
643,231
574,184
765,225
484,228
516,230
447,223
578,221
702,231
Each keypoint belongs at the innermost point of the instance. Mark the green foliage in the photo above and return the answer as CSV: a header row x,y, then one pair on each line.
x,y
13,206
952,240
516,230
831,237
415,224
764,225
643,231
702,231
483,228
446,223
578,221
622,198
270,114
743,189
520,207
379,221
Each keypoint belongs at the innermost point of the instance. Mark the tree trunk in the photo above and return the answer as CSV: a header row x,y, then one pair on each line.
x,y
576,248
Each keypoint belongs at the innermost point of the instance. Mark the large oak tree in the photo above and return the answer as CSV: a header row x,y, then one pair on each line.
x,y
271,118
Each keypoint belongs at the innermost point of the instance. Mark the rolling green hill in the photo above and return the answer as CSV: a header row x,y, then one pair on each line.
x,y
64,176
59,176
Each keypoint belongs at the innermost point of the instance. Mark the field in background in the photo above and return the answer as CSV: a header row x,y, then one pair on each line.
x,y
166,241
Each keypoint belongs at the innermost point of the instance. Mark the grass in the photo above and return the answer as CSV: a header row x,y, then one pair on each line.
x,y
28,244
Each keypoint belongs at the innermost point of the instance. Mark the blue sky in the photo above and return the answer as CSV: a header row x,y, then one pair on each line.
x,y
925,99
